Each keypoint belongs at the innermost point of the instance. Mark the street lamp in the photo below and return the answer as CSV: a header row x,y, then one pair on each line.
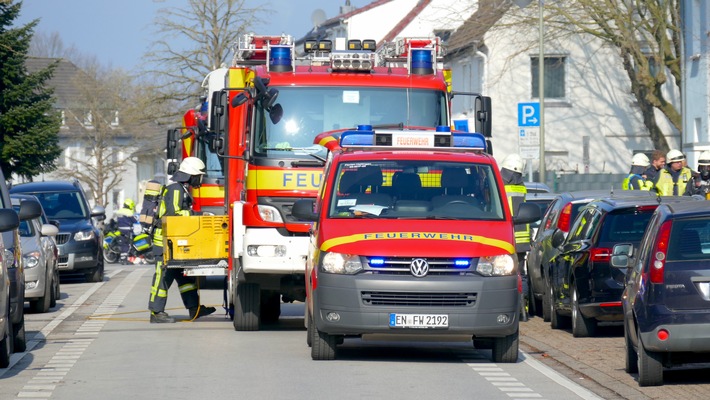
x,y
541,81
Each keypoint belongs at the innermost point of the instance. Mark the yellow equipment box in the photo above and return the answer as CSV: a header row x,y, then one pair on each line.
x,y
195,238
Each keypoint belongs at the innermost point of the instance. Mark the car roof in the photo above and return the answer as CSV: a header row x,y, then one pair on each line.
x,y
616,203
590,195
16,198
537,187
540,196
689,209
46,186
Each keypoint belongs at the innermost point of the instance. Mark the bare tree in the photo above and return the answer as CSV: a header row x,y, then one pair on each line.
x,y
647,36
52,46
211,27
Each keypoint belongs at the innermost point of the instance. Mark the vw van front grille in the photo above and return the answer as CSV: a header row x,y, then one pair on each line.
x,y
418,299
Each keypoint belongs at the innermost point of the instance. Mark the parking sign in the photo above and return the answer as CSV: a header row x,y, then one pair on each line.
x,y
528,114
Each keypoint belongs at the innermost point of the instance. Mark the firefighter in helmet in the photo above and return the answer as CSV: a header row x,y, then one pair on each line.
x,y
674,179
636,180
702,185
176,201
512,173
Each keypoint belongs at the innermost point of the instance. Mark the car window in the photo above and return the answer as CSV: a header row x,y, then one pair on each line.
x,y
625,226
585,225
647,243
689,240
63,205
551,214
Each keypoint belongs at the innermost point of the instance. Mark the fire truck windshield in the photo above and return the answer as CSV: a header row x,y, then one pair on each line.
x,y
308,111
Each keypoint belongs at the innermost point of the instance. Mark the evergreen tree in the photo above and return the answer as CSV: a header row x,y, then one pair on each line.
x,y
29,125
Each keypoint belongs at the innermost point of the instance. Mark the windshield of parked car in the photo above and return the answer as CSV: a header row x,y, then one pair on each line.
x,y
63,205
416,189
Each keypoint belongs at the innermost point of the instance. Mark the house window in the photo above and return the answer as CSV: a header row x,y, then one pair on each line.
x,y
554,77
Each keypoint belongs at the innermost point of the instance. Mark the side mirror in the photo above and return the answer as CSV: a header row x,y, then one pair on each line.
x,y
620,255
239,99
527,213
9,219
98,212
29,209
303,209
276,113
557,238
217,144
49,230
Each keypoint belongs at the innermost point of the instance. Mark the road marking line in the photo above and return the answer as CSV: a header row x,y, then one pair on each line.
x,y
579,390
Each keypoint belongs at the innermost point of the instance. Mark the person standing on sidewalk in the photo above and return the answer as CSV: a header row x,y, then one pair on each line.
x,y
176,201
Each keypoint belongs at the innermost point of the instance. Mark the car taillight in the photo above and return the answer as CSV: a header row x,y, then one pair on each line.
x,y
660,250
600,254
563,223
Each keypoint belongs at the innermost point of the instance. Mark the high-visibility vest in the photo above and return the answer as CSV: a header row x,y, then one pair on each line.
x,y
516,196
666,186
645,184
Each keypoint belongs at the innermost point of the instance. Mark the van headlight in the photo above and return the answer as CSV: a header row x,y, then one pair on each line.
x,y
84,235
496,265
338,263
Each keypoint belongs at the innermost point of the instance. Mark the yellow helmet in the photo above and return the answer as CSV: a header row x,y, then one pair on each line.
x,y
129,204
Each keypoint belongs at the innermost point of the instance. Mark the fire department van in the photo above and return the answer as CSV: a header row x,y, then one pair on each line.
x,y
412,236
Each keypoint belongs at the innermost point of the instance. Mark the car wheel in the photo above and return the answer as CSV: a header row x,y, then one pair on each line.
x,y
557,321
581,326
649,365
42,304
56,292
247,307
533,303
6,342
631,355
323,345
96,274
505,349
546,303
18,335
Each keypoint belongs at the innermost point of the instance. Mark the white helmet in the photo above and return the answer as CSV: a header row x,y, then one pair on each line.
x,y
704,158
674,156
640,160
513,162
192,166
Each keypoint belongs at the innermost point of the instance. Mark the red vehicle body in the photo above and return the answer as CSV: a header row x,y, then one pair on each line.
x,y
264,112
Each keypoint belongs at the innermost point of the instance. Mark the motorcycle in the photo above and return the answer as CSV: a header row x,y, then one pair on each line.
x,y
121,248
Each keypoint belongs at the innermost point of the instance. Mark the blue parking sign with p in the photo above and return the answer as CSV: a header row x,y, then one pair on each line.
x,y
528,114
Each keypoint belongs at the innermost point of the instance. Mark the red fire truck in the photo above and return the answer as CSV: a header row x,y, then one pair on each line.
x,y
257,144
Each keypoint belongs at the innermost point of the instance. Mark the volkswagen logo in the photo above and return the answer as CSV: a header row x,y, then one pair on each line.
x,y
419,267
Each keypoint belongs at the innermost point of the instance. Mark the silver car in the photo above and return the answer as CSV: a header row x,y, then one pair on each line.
x,y
40,258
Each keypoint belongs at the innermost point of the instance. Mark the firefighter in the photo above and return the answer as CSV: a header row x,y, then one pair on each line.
x,y
636,180
702,185
176,200
674,179
512,173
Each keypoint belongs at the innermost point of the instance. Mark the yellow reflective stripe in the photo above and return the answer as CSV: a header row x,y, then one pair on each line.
x,y
187,287
326,140
158,277
461,237
208,192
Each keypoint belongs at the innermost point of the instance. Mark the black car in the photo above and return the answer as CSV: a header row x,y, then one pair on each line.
x,y
583,285
560,214
79,240
666,302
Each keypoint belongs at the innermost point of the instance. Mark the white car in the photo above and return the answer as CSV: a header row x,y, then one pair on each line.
x,y
40,258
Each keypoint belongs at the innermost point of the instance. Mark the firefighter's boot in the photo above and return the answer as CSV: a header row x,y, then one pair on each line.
x,y
201,311
161,318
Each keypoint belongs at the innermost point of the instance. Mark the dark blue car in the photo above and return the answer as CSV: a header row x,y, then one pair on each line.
x,y
666,301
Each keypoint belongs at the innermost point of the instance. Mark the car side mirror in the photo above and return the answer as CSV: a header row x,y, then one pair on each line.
x,y
303,209
621,254
558,238
98,212
29,210
49,230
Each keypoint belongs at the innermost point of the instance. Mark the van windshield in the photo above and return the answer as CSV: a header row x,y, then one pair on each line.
x,y
416,189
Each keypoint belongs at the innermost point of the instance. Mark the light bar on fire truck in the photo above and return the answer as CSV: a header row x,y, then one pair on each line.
x,y
441,139
277,52
421,56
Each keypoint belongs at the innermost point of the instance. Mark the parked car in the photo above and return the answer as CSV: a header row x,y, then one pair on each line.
x,y
666,301
537,187
584,288
9,221
559,217
79,240
39,253
542,200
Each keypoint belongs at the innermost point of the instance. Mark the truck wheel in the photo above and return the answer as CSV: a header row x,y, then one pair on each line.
x,y
247,307
505,349
270,307
632,359
323,345
649,365
6,342
581,326
18,334
41,305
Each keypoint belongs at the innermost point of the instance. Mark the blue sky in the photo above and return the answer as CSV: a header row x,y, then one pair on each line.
x,y
118,32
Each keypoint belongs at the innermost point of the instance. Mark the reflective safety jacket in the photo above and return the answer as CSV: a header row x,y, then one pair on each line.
x,y
666,186
516,196
176,201
636,182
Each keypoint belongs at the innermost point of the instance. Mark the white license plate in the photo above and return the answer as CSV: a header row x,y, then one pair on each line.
x,y
419,321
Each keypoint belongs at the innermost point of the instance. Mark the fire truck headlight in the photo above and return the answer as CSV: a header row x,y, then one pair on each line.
x,y
269,214
496,265
338,263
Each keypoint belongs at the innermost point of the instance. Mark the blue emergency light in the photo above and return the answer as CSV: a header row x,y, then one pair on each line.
x,y
462,263
280,59
443,138
377,261
422,63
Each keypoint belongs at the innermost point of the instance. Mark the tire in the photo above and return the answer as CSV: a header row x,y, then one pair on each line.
x,y
149,257
56,291
97,273
581,326
19,339
42,304
556,320
524,300
309,331
247,307
111,256
546,303
270,307
534,304
505,349
323,345
650,366
632,358
6,342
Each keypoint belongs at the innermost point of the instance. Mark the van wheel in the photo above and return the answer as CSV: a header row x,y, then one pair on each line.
x,y
649,365
18,333
581,326
247,307
631,356
323,345
505,349
6,342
